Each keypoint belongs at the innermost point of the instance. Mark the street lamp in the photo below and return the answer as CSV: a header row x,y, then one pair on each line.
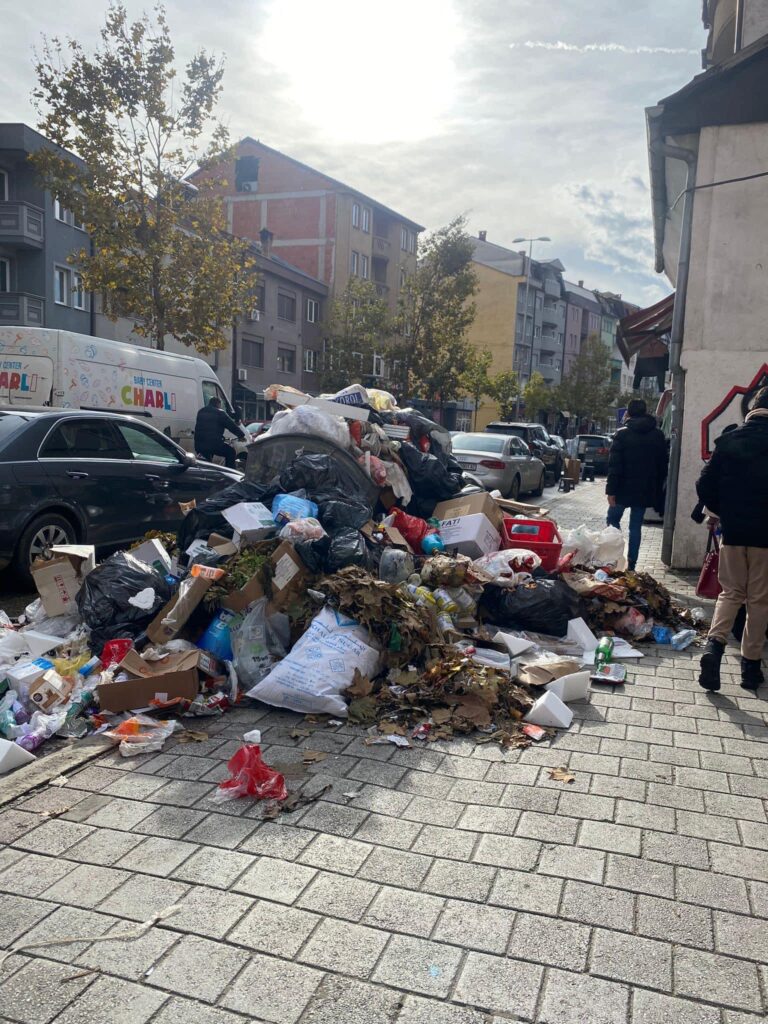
x,y
540,238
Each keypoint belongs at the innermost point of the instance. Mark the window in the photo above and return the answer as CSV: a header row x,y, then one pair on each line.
x,y
403,277
313,311
84,439
3,185
5,275
364,266
146,446
252,352
261,298
77,223
60,286
310,360
354,262
78,292
378,365
412,241
404,239
358,358
286,360
59,212
211,389
355,215
366,219
286,306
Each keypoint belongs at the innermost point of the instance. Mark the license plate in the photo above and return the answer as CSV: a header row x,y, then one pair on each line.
x,y
467,465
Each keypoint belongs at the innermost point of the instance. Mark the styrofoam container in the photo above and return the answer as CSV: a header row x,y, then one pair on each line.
x,y
571,687
550,712
13,756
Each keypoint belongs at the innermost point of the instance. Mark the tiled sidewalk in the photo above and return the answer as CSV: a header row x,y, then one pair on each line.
x,y
454,884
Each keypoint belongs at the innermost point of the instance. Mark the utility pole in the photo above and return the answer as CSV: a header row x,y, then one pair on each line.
x,y
541,238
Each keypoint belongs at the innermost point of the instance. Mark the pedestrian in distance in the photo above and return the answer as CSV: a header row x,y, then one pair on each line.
x,y
210,426
733,487
637,470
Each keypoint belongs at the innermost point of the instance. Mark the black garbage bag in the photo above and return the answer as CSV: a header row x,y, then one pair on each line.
x,y
328,478
431,476
335,514
207,517
313,553
347,547
544,606
103,599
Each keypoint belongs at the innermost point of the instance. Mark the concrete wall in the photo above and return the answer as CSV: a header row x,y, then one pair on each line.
x,y
726,333
494,326
755,22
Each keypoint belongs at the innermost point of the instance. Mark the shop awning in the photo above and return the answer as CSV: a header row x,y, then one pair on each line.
x,y
641,333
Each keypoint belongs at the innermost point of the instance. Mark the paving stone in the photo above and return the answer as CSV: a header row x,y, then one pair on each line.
x,y
141,896
499,820
119,814
735,860
378,773
743,807
221,830
573,862
754,834
601,835
548,940
275,929
278,880
747,786
648,876
63,922
474,926
566,996
521,854
33,874
741,936
336,854
344,947
170,822
133,785
726,981
676,922
97,1004
183,793
214,867
155,856
512,772
38,992
199,968
326,817
707,826
584,805
629,958
646,771
210,912
758,893
675,850
498,984
86,885
343,1001
720,891
284,841
524,890
345,897
654,1008
428,784
446,842
618,786
462,881
435,812
128,958
700,778
547,827
671,796
379,829
527,798
185,1011
92,777
388,865
52,837
599,905
274,990
418,965
382,801
399,910
417,1010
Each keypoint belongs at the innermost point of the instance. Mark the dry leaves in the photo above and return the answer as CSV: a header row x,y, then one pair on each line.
x,y
191,736
561,775
313,756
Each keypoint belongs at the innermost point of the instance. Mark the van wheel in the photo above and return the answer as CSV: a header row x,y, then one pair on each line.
x,y
540,488
514,489
40,535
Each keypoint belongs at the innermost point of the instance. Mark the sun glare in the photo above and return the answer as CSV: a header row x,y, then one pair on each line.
x,y
365,72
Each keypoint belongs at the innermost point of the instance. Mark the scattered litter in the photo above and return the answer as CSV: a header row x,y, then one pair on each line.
x,y
561,775
353,794
313,756
250,776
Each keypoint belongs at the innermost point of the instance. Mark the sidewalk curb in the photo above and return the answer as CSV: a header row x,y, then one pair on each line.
x,y
38,773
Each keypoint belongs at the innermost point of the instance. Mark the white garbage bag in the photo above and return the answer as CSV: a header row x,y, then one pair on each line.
x,y
305,419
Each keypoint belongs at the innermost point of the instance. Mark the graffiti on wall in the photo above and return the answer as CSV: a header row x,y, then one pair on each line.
x,y
733,409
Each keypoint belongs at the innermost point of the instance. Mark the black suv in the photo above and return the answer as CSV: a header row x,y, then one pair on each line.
x,y
538,440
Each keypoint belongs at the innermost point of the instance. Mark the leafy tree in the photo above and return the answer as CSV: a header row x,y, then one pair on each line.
x,y
358,326
434,314
538,396
504,390
586,391
161,254
475,380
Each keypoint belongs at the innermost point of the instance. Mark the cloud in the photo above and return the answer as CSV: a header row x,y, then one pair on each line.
x,y
604,48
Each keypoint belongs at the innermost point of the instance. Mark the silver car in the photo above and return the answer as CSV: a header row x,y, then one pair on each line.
x,y
501,462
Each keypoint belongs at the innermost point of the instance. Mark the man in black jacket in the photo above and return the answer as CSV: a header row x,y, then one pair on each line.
x,y
734,488
637,469
210,425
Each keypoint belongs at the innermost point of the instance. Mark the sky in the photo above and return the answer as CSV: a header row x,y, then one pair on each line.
x,y
526,117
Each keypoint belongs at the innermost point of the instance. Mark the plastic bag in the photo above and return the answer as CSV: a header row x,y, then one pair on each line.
x,y
335,514
431,476
103,599
581,542
412,528
543,606
302,529
347,547
217,638
250,776
321,665
305,419
609,548
381,401
375,468
141,734
206,518
258,642
328,477
398,481
508,564
288,507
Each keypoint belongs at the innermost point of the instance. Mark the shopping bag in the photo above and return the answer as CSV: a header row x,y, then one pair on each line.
x,y
709,585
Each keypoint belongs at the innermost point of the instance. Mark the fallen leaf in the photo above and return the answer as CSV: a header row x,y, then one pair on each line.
x,y
441,715
561,775
360,686
191,736
300,734
362,710
473,709
313,756
392,729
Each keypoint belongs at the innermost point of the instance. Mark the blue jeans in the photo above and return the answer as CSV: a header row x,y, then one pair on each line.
x,y
636,515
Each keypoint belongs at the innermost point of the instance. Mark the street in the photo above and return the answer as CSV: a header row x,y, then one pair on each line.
x,y
452,883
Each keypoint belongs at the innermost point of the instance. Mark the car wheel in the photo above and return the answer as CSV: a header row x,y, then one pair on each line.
x,y
540,488
514,489
41,534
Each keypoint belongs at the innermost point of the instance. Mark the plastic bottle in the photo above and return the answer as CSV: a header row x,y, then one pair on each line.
x,y
683,639
94,665
396,565
603,652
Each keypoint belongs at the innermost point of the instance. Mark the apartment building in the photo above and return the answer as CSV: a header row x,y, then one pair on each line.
x,y
614,308
38,287
325,228
583,317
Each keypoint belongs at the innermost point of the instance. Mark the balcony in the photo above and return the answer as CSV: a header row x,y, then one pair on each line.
x,y
382,290
19,309
552,287
381,247
553,313
22,225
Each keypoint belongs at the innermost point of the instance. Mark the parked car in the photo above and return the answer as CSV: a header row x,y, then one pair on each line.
x,y
500,462
70,476
593,449
538,440
559,441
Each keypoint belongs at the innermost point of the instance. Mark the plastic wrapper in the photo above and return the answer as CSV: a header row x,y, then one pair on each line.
x,y
381,401
141,734
258,642
305,419
288,507
633,623
250,776
58,625
40,728
543,606
302,529
511,566
103,599
375,468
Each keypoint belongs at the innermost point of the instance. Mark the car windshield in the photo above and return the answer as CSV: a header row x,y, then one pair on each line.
x,y
593,442
511,431
479,443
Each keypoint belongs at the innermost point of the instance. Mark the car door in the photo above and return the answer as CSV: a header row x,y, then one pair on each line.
x,y
86,462
530,470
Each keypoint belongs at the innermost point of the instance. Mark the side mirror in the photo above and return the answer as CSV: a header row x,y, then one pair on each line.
x,y
188,460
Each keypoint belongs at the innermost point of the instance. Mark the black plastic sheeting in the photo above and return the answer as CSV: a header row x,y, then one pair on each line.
x,y
544,606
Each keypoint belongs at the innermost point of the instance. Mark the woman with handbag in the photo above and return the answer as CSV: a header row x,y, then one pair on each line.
x,y
733,487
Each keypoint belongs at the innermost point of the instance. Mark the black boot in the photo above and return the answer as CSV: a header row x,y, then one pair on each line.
x,y
751,674
709,677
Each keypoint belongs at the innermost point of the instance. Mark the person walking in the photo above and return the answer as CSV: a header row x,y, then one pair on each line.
x,y
733,487
210,425
637,469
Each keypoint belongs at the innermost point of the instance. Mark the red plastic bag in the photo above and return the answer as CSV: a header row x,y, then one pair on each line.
x,y
250,776
709,584
412,528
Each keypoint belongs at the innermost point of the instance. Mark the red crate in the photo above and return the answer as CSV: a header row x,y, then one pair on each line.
x,y
546,541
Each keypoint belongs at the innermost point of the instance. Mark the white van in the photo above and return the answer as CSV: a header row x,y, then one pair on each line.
x,y
41,367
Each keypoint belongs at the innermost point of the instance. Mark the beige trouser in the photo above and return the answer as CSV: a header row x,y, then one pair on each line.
x,y
743,575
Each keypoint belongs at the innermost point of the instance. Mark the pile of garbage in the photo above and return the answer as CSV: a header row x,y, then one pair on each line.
x,y
361,582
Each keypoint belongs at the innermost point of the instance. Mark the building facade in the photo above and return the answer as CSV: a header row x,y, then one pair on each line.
x,y
614,308
583,318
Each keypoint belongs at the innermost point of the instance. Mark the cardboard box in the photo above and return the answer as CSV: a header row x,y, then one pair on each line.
x,y
470,505
250,520
291,398
50,691
24,673
222,545
392,535
174,676
572,469
152,552
59,579
473,535
240,599
519,508
172,618
289,574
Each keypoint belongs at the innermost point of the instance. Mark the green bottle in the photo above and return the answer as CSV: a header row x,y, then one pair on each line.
x,y
603,652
